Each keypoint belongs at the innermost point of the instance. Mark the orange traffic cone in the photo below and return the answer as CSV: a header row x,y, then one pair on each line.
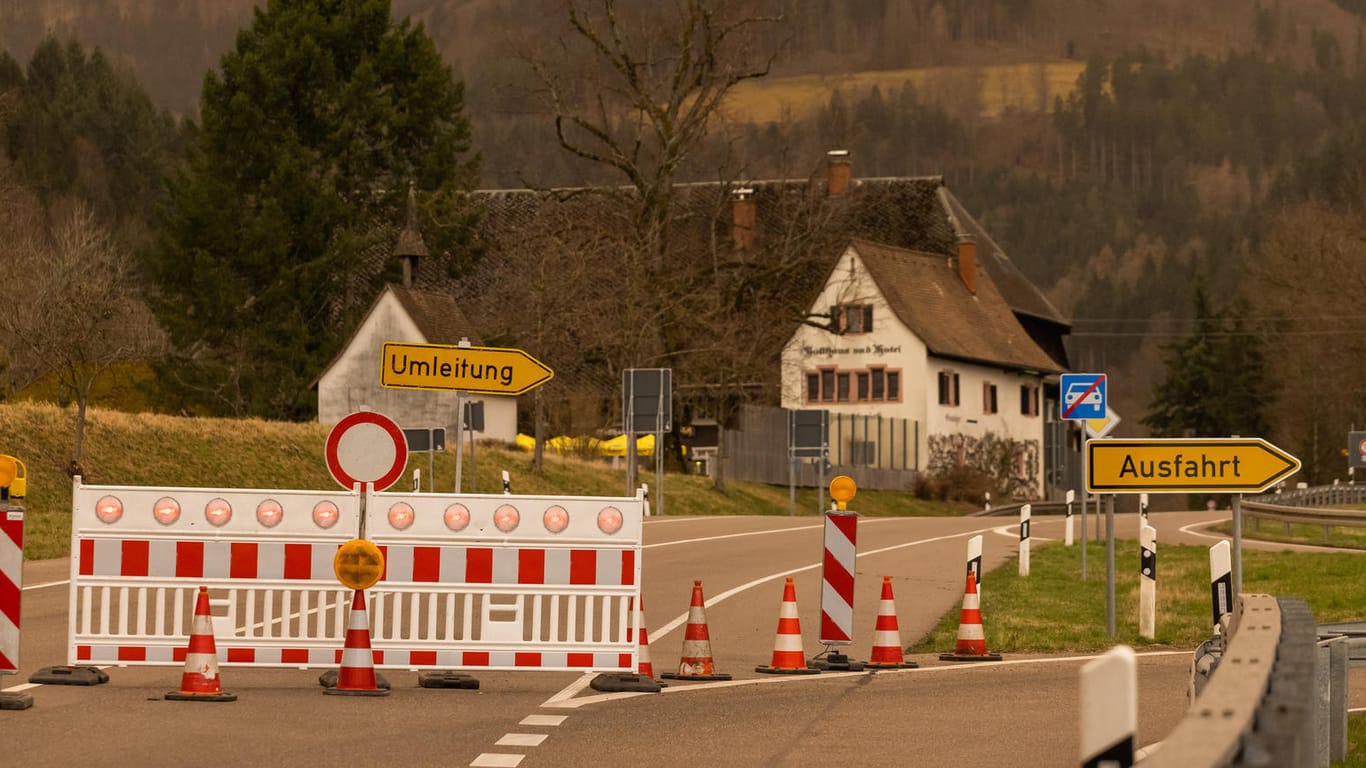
x,y
972,642
788,657
200,681
643,665
886,635
696,662
357,674
643,680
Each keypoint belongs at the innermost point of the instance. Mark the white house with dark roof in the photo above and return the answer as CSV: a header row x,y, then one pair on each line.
x,y
403,313
927,338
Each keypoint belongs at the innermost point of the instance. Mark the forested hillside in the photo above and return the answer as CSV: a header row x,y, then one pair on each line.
x,y
1122,153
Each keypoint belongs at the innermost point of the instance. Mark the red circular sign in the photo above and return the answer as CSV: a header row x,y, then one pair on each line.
x,y
366,447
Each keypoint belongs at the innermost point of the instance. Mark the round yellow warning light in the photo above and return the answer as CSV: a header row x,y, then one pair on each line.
x,y
358,564
842,489
8,470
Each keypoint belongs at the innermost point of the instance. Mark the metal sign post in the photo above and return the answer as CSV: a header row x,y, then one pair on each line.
x,y
808,436
646,408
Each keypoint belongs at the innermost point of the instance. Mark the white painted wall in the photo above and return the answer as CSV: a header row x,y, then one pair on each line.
x,y
352,383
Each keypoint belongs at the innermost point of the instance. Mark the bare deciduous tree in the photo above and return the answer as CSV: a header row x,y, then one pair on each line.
x,y
76,309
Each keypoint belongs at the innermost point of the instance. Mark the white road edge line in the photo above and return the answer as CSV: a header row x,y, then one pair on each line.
x,y
47,584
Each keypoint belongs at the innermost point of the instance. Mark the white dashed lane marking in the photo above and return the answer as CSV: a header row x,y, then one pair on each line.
x,y
507,760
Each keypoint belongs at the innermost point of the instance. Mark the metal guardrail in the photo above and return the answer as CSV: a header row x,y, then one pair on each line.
x,y
1309,506
1039,507
1261,706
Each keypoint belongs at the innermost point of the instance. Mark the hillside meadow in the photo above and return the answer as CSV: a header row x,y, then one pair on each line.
x,y
157,450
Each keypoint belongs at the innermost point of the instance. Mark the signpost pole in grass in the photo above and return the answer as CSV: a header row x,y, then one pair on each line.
x,y
1085,533
1237,505
1110,565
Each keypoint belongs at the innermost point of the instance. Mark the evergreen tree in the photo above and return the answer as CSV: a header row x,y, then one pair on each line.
x,y
1216,378
273,240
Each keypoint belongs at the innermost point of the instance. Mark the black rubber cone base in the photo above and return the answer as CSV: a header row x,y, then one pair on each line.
x,y
356,691
183,696
619,682
447,680
902,665
18,700
969,657
328,679
788,670
835,662
78,675
694,678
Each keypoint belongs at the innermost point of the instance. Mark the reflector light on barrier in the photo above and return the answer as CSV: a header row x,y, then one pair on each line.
x,y
506,518
609,520
218,512
457,516
269,513
401,515
325,514
109,509
166,510
556,518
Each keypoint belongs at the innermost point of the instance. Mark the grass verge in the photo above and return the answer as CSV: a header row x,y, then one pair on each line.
x,y
156,450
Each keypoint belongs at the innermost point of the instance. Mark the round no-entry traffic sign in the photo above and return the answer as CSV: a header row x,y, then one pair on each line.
x,y
366,447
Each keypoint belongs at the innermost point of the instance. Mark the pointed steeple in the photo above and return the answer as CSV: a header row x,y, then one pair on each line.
x,y
410,247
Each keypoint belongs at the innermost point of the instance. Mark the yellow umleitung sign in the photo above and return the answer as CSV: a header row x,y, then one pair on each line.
x,y
1186,465
480,370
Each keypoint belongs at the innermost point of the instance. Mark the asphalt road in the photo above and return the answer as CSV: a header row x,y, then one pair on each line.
x,y
1023,711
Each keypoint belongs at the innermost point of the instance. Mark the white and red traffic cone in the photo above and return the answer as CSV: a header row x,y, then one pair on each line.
x,y
200,681
887,635
643,680
972,641
695,663
788,656
357,674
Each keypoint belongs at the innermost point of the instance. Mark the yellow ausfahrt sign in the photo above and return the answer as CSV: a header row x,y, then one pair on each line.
x,y
479,370
1186,465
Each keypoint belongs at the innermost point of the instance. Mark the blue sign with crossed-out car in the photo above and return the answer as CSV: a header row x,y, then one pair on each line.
x,y
1083,396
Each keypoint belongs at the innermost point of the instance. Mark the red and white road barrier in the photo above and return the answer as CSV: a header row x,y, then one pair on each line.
x,y
1147,582
471,581
1025,512
11,585
837,577
11,595
1109,709
1220,582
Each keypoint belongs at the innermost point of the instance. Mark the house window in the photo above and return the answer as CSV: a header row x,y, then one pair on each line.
x,y
988,397
948,387
852,318
1029,400
875,385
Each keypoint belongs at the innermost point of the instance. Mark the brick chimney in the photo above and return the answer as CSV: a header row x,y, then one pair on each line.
x,y
838,183
743,215
967,261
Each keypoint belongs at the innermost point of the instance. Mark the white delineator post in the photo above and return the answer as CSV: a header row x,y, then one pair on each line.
x,y
1067,528
1220,581
975,562
1109,709
1024,539
1147,582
